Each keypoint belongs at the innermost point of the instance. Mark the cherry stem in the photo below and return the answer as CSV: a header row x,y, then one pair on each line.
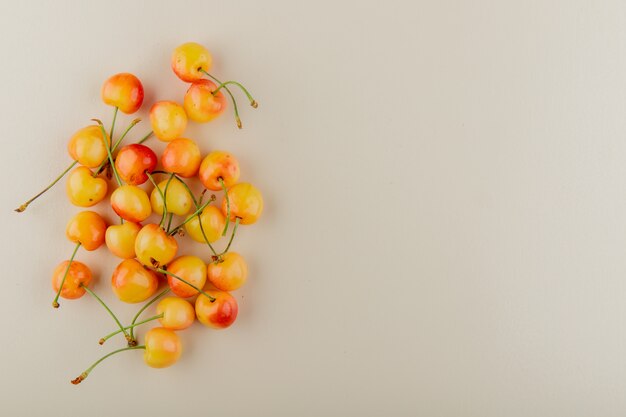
x,y
103,304
84,375
253,102
104,138
132,326
55,302
221,180
199,210
231,237
232,98
164,271
169,221
148,304
113,123
156,186
145,138
115,146
25,205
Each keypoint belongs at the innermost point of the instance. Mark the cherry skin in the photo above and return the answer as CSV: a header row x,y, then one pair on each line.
x,y
79,275
190,268
213,222
182,157
189,60
218,314
131,203
132,282
123,91
228,273
163,348
154,247
87,147
246,202
216,165
133,161
88,228
120,239
83,189
168,120
178,199
178,314
201,104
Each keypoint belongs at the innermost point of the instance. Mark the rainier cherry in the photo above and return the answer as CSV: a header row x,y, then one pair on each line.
x,y
190,60
213,222
176,313
229,272
120,239
131,203
182,157
76,278
246,203
202,103
133,161
191,269
154,247
178,199
168,120
132,282
87,147
87,228
163,348
216,166
83,189
218,314
123,91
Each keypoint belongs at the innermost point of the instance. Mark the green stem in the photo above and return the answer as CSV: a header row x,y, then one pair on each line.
x,y
132,326
199,210
25,205
84,375
104,138
55,302
156,186
164,271
148,304
169,221
232,98
231,237
221,180
145,138
253,102
113,123
102,303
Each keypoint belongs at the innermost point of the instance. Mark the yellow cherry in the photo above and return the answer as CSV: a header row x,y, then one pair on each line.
x,y
87,147
154,247
228,273
168,120
132,282
120,239
246,202
189,60
131,203
83,189
213,222
163,348
178,199
190,268
87,228
216,165
178,314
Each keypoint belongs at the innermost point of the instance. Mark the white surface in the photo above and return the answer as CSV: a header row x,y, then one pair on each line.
x,y
445,225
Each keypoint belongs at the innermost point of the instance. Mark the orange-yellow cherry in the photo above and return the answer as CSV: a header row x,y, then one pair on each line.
x,y
162,348
228,273
218,314
182,157
218,165
132,282
83,189
213,222
189,60
201,103
190,268
168,120
123,91
78,275
154,247
131,203
87,228
246,203
120,239
178,199
177,313
87,147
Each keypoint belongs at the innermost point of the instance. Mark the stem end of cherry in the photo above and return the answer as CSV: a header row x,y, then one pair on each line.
x,y
55,304
101,341
254,104
239,125
21,208
80,378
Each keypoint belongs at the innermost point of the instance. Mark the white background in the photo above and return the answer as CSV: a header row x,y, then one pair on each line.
x,y
445,224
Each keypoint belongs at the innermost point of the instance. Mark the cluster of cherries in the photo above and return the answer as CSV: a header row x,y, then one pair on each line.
x,y
149,250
